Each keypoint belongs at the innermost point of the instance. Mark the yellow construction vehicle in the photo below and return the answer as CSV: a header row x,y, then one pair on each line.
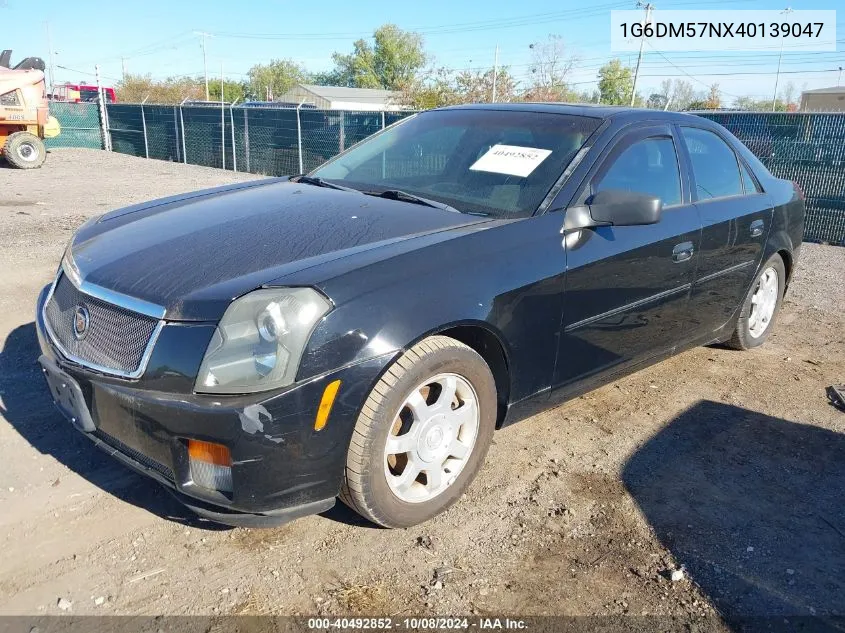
x,y
24,114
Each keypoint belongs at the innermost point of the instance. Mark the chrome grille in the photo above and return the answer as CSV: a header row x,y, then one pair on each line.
x,y
116,338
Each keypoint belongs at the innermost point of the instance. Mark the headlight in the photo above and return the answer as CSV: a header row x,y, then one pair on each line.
x,y
70,267
259,341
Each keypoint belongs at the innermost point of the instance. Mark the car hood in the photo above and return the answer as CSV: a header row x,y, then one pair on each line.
x,y
193,254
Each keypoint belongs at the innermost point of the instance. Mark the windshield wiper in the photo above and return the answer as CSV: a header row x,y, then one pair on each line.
x,y
404,196
319,182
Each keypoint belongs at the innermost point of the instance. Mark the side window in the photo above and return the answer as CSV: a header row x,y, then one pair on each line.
x,y
714,164
747,180
10,99
648,166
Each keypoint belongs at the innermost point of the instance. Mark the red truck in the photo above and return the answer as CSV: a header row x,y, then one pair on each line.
x,y
76,93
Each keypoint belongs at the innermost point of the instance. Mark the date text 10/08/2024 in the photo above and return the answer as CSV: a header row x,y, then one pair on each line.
x,y
433,623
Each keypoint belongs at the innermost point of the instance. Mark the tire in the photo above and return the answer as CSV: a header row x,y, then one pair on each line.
x,y
24,150
752,329
379,486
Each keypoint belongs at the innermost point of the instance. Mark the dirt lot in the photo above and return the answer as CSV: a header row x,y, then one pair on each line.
x,y
730,465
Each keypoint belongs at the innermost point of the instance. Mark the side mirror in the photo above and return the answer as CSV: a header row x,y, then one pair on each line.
x,y
614,207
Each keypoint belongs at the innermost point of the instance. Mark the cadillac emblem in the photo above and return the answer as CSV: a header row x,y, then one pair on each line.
x,y
81,322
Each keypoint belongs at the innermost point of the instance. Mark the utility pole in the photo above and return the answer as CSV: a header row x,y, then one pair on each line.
x,y
495,71
646,19
222,119
204,35
104,116
50,60
123,67
839,80
786,11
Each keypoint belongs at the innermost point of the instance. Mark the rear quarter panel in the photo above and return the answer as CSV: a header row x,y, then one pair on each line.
x,y
787,230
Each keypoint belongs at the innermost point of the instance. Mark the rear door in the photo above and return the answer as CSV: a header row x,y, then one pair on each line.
x,y
627,287
735,215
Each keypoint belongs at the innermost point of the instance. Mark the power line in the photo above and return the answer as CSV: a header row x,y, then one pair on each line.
x,y
82,72
510,22
173,42
685,72
783,72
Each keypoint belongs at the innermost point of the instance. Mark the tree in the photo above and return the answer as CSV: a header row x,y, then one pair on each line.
x,y
679,92
393,61
750,104
714,98
550,67
588,96
432,89
615,83
787,94
137,88
441,87
326,78
232,90
274,78
477,86
657,101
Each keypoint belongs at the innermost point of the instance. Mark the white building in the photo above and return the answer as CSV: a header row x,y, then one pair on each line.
x,y
340,98
823,100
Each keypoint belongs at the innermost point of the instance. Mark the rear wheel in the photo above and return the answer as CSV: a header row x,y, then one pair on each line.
x,y
422,435
24,150
761,306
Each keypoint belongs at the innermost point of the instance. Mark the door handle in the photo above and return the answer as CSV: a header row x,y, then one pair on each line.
x,y
682,252
756,228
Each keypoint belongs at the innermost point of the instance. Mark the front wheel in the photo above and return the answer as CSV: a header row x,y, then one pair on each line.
x,y
761,305
24,150
422,434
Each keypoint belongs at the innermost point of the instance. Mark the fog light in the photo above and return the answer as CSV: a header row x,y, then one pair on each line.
x,y
211,465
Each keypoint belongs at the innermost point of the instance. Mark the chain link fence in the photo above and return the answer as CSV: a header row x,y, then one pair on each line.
x,y
80,125
259,140
808,148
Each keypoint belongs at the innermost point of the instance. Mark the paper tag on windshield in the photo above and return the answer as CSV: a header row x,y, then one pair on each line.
x,y
511,160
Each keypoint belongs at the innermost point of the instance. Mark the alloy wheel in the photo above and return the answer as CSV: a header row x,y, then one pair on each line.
x,y
431,438
763,303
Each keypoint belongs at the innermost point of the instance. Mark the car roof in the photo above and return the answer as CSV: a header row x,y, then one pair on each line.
x,y
584,109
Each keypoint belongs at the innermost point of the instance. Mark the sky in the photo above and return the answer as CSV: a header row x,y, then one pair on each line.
x,y
159,37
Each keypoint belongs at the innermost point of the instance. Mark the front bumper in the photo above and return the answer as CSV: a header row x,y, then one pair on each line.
x,y
281,467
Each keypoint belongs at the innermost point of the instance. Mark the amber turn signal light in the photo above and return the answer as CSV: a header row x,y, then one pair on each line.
x,y
211,465
209,453
326,403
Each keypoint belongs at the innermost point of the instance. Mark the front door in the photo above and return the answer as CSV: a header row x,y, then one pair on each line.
x,y
735,216
627,287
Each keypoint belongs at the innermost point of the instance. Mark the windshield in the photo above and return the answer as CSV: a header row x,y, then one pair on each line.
x,y
494,162
90,94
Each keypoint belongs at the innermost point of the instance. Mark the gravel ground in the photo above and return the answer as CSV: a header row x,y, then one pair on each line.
x,y
728,466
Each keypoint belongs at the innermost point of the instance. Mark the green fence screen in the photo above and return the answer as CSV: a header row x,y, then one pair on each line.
x,y
80,125
259,140
807,148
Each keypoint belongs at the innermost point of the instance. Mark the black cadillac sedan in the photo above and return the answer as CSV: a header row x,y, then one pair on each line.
x,y
359,332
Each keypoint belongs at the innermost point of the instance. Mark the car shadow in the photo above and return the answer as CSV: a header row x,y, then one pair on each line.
x,y
27,407
341,513
751,505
